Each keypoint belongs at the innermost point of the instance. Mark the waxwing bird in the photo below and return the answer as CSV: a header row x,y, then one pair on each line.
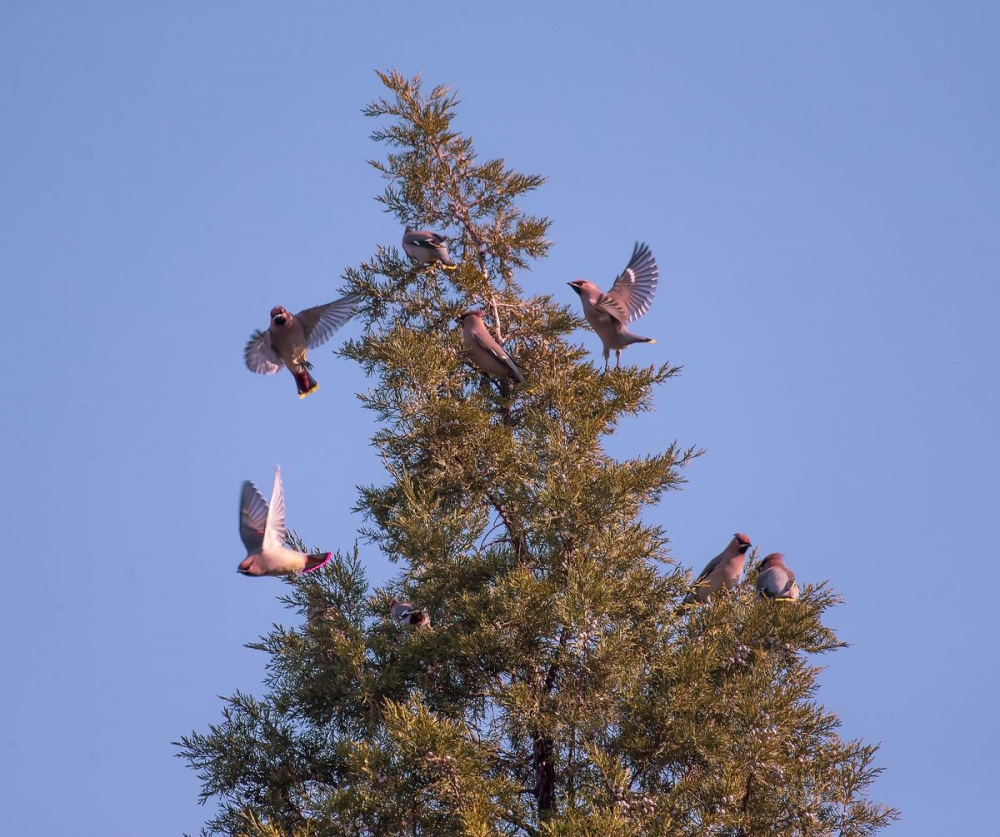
x,y
486,353
724,570
775,580
262,530
409,615
289,337
427,247
629,298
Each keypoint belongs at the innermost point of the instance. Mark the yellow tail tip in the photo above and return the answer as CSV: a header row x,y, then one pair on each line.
x,y
651,340
308,392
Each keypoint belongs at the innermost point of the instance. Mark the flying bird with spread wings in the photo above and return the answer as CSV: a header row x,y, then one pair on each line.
x,y
290,336
262,530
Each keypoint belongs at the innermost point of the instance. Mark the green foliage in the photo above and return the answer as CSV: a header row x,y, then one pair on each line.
x,y
563,688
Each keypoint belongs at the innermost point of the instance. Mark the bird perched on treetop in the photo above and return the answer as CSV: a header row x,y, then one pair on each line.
x,y
409,615
289,337
262,530
775,580
427,247
629,298
486,353
724,570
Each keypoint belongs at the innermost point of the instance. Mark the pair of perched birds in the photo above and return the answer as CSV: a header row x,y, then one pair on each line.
x,y
289,337
774,579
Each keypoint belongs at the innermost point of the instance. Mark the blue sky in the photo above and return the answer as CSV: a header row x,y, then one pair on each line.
x,y
819,184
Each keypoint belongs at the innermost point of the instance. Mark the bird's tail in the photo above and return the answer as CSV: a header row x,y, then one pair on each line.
x,y
448,264
635,338
314,562
305,382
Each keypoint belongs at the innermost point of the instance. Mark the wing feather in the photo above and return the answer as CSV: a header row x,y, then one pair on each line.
x,y
259,356
274,531
321,322
424,238
497,351
632,293
709,567
253,518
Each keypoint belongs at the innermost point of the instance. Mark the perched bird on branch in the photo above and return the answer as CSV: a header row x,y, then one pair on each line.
x,y
262,530
486,353
409,615
629,298
289,337
775,580
427,247
724,570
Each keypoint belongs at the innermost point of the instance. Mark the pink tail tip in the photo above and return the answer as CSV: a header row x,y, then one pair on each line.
x,y
314,562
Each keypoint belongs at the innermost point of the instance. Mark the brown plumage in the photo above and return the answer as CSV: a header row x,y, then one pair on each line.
x,y
427,247
629,298
775,580
724,570
409,615
289,337
486,353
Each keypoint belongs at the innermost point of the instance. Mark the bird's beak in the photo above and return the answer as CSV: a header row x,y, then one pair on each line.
x,y
574,287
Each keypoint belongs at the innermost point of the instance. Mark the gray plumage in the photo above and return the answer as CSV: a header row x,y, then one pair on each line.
x,y
629,298
724,570
289,337
775,580
409,615
486,353
262,530
427,247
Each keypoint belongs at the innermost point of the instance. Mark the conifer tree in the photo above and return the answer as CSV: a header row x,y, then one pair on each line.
x,y
563,687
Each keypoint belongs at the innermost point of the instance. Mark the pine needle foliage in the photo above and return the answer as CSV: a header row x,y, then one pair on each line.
x,y
563,688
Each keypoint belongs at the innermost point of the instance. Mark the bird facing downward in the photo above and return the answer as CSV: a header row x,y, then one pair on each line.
x,y
290,336
629,298
409,615
427,247
262,530
486,353
724,570
775,580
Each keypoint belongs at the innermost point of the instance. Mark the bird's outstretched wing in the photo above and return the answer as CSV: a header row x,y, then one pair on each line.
x,y
253,518
632,293
274,531
320,323
259,355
